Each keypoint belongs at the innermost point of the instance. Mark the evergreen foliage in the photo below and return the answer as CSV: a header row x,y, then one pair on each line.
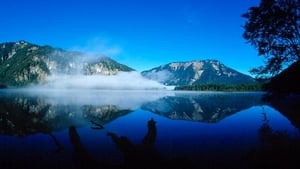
x,y
222,87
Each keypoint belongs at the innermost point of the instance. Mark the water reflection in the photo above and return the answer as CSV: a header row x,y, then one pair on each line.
x,y
102,129
59,146
23,113
21,116
139,155
145,155
80,156
136,156
208,107
289,107
28,112
277,149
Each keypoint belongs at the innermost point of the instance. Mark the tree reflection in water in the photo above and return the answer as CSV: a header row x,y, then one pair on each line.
x,y
136,156
144,153
277,149
81,158
59,147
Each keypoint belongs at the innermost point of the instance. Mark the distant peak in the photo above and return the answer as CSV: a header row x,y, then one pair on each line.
x,y
197,72
194,61
21,42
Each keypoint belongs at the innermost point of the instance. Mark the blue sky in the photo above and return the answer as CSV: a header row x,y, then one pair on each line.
x,y
140,33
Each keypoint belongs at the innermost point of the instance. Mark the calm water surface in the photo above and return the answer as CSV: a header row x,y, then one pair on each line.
x,y
144,129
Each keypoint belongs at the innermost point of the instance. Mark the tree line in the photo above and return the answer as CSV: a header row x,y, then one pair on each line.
x,y
222,87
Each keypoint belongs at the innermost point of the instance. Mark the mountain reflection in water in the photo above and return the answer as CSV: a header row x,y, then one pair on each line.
x,y
209,107
143,129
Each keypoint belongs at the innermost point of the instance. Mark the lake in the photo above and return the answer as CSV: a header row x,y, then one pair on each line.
x,y
145,129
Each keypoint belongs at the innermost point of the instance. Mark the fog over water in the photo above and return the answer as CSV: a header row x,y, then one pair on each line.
x,y
122,81
123,99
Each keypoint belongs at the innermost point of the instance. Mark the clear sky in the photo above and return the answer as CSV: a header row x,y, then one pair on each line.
x,y
139,33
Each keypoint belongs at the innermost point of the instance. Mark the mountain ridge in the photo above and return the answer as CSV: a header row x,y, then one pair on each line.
x,y
197,72
22,63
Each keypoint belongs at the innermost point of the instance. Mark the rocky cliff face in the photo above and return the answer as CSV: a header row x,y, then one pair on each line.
x,y
22,63
197,72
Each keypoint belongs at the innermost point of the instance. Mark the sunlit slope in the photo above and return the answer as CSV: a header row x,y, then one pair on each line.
x,y
196,73
22,63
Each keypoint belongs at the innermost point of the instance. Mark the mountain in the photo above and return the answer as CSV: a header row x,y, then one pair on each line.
x,y
196,73
22,63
